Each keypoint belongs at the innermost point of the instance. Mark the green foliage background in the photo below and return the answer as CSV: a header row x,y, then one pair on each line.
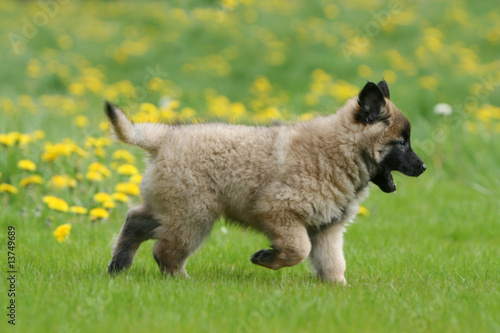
x,y
424,260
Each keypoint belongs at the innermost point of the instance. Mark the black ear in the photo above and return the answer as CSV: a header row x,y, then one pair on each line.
x,y
371,100
385,88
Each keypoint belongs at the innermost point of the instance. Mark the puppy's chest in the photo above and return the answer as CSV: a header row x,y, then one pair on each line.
x,y
328,211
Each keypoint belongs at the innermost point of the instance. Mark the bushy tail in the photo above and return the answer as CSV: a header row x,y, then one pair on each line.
x,y
145,135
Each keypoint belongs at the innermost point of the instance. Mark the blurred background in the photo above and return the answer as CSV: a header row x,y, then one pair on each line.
x,y
431,249
253,61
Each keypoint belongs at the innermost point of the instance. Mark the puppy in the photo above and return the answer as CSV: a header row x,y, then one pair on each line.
x,y
300,185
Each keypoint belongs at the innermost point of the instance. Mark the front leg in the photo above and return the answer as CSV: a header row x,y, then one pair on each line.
x,y
327,255
290,242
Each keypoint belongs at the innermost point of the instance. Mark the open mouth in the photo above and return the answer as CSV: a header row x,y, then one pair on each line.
x,y
384,180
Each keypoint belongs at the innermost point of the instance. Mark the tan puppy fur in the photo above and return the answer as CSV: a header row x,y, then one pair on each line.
x,y
299,185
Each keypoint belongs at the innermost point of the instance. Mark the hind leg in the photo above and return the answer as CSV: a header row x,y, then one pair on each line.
x,y
177,241
171,259
138,227
290,243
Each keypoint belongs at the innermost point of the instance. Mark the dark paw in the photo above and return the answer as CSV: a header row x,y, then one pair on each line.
x,y
263,257
117,265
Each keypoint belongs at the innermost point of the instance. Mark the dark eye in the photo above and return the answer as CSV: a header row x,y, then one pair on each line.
x,y
402,143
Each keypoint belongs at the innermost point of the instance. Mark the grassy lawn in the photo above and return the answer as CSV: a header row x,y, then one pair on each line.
x,y
424,259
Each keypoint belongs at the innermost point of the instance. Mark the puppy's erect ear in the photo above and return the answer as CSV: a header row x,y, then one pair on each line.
x,y
371,101
385,89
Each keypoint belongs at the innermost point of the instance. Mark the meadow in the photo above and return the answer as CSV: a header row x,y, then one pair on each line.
x,y
423,259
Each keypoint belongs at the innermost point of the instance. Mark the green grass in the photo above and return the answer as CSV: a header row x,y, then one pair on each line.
x,y
425,260
418,263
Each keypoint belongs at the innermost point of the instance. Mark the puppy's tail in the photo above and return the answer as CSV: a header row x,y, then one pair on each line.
x,y
148,136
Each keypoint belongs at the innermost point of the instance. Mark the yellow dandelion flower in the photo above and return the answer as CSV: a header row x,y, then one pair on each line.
x,y
110,93
123,154
34,69
231,4
306,116
8,139
15,135
268,114
148,108
94,176
38,134
78,210
127,188
26,165
49,156
187,113
487,113
96,166
59,205
93,84
66,148
136,179
389,76
120,197
363,211
27,102
102,197
343,90
98,213
81,121
237,111
56,203
318,88
62,232
156,83
25,138
127,170
35,179
8,188
311,99
108,204
365,71
261,86
46,199
331,11
65,42
428,82
144,117
99,151
62,181
97,142
104,126
97,172
114,165
6,104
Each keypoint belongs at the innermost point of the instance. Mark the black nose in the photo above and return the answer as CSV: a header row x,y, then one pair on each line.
x,y
424,167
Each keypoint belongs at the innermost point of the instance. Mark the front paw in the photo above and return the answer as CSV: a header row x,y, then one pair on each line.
x,y
118,264
339,280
